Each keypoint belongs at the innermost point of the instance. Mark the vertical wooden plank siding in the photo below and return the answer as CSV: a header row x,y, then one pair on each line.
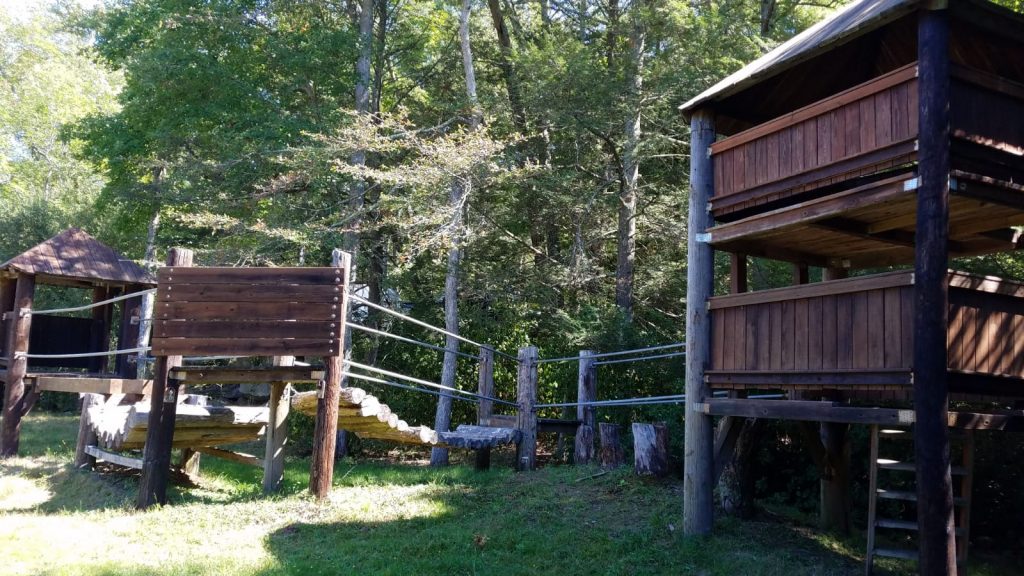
x,y
893,352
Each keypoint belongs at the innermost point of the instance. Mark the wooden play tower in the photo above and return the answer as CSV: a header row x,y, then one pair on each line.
x,y
890,135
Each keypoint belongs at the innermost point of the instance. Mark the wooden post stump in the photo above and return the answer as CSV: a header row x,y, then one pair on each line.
x,y
86,434
156,460
485,409
650,449
526,420
612,454
584,452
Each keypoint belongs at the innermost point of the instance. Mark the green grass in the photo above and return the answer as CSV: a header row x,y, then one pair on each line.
x,y
382,518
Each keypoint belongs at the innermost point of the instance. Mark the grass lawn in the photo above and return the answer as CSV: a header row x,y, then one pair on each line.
x,y
383,518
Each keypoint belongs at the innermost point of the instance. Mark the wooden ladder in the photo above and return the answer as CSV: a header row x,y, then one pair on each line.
x,y
961,500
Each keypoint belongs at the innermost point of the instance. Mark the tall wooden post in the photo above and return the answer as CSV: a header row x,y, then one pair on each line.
x,y
128,333
586,391
321,470
17,401
341,259
698,470
737,273
936,538
526,420
485,409
277,431
100,331
163,407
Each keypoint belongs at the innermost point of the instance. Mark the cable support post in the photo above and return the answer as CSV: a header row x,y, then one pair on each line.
x,y
27,312
406,339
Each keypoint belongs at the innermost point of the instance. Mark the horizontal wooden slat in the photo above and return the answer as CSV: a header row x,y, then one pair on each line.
x,y
251,310
223,275
217,375
873,86
239,457
804,410
119,459
245,346
247,293
773,379
93,385
832,287
247,328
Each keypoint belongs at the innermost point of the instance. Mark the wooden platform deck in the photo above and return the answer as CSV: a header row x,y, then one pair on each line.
x,y
124,427
367,417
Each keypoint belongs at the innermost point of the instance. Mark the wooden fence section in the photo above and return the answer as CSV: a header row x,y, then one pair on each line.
x,y
863,130
858,333
247,311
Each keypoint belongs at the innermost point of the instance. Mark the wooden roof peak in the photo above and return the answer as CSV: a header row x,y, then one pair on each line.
x,y
74,254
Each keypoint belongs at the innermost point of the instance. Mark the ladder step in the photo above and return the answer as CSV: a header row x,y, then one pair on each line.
x,y
911,496
903,553
886,464
905,525
897,524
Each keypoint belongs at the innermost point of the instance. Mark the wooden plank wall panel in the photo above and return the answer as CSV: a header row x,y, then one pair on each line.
x,y
985,116
860,125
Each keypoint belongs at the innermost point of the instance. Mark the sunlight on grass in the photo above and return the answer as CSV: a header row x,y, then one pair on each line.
x,y
19,493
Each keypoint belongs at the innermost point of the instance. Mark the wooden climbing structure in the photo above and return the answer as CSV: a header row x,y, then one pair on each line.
x,y
889,135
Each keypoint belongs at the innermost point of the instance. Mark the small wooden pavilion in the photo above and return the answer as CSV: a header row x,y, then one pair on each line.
x,y
891,134
74,259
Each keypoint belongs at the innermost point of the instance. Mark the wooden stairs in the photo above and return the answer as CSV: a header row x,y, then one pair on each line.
x,y
367,417
907,493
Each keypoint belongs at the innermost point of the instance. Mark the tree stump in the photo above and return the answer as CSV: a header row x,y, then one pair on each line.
x,y
86,434
584,451
650,449
612,455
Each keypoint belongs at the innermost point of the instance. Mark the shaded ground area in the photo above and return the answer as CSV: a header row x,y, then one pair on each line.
x,y
382,518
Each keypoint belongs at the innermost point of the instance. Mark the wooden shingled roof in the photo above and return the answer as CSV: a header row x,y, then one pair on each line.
x,y
77,256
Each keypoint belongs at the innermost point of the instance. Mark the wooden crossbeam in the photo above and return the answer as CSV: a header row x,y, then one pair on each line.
x,y
221,375
240,457
87,385
113,458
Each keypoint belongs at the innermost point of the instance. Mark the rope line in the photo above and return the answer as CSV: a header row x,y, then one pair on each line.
x,y
618,353
670,399
403,386
640,358
386,310
84,354
425,382
24,312
362,328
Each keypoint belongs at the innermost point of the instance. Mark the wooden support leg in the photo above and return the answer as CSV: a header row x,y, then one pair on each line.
x,y
738,475
277,431
526,420
86,433
835,479
483,459
17,400
162,410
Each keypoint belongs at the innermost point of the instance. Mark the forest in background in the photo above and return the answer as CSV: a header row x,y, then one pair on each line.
x,y
513,168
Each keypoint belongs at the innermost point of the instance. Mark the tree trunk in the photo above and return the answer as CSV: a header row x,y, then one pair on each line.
x,y
630,173
146,309
739,478
459,191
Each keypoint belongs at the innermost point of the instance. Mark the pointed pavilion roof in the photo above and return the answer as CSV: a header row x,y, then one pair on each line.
x,y
75,255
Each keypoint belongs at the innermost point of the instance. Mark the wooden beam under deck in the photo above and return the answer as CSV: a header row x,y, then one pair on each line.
x,y
221,375
814,411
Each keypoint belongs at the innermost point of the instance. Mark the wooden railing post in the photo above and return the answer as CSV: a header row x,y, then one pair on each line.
x,y
526,420
485,388
163,401
17,401
586,391
277,431
340,259
321,470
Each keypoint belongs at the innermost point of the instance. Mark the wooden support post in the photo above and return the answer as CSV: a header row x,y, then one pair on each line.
x,y
801,274
277,431
340,259
737,273
189,464
128,333
86,433
321,470
936,541
586,391
163,402
650,449
99,337
834,274
835,501
698,469
17,401
526,419
485,409
612,454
